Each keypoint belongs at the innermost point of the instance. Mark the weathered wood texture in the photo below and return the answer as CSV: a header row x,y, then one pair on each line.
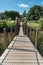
x,y
22,52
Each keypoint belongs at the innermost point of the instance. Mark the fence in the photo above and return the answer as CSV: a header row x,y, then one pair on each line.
x,y
7,36
35,35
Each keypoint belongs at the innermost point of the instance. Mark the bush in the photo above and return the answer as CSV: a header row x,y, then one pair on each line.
x,y
6,24
34,25
33,36
40,43
1,24
2,48
41,22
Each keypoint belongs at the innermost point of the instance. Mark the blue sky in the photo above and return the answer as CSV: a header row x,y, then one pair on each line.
x,y
18,5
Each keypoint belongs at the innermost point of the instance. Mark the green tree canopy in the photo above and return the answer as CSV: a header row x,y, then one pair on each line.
x,y
9,14
35,12
24,14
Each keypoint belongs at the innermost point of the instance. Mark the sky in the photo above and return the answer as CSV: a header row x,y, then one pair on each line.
x,y
18,5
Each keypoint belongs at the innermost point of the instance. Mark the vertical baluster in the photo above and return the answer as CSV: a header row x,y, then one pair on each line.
x,y
36,37
25,25
6,37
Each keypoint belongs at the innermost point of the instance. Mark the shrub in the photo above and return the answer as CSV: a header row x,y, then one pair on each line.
x,y
40,43
2,48
4,24
41,22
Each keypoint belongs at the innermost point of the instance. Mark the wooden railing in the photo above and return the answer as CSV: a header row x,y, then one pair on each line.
x,y
35,35
11,34
31,32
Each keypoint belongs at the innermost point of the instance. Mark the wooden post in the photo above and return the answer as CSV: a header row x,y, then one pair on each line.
x,y
25,25
11,34
30,32
16,25
27,30
36,37
16,20
6,37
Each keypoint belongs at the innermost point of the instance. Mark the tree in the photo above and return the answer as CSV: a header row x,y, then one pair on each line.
x,y
9,14
24,14
2,16
35,12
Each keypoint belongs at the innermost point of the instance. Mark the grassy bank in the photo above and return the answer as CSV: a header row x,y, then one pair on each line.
x,y
34,25
40,39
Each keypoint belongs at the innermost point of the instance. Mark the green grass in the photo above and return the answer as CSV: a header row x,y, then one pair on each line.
x,y
8,23
34,25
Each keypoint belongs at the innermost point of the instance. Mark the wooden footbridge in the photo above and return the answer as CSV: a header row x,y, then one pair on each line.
x,y
21,52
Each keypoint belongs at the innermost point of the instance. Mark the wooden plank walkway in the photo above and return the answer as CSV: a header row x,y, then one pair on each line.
x,y
21,52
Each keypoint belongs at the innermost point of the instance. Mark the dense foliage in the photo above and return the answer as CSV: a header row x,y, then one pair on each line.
x,y
6,24
24,14
9,14
2,48
40,43
41,22
35,12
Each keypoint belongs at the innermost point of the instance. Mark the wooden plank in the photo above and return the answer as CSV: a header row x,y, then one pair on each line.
x,y
19,52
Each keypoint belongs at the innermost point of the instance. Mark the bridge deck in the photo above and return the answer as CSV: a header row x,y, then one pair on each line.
x,y
21,52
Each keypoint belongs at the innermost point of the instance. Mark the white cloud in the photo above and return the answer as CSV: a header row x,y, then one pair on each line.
x,y
41,2
23,5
